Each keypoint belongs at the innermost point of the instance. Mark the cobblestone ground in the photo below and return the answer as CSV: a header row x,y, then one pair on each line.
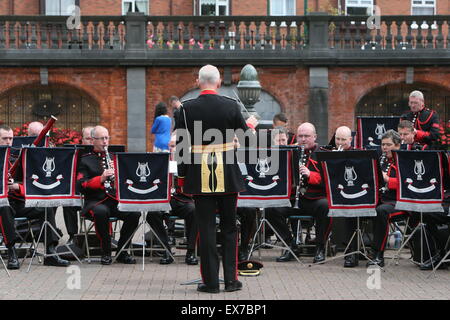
x,y
278,281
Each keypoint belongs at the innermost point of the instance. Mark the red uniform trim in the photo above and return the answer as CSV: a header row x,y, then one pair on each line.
x,y
94,183
208,92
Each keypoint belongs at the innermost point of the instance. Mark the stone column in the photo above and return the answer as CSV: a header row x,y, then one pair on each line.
x,y
318,102
136,109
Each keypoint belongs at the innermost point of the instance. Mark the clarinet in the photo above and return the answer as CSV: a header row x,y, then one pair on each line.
x,y
109,165
383,159
301,188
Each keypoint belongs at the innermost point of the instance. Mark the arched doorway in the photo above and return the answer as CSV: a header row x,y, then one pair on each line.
x,y
73,107
392,100
267,106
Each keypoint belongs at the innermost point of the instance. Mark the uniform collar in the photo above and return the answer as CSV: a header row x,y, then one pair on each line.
x,y
208,91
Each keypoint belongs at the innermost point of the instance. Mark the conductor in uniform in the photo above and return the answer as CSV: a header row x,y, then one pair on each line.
x,y
211,175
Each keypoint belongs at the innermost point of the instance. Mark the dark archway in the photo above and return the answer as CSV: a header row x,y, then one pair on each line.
x,y
74,108
392,100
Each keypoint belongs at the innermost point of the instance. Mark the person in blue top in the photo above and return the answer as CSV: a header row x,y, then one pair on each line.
x,y
161,128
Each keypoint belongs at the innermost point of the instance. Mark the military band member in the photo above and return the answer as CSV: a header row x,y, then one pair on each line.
x,y
313,201
94,180
17,209
212,176
425,120
386,209
407,134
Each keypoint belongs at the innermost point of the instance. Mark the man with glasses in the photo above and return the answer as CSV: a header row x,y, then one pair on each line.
x,y
99,199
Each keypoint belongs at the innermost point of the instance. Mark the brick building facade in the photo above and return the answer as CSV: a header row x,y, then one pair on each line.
x,y
327,89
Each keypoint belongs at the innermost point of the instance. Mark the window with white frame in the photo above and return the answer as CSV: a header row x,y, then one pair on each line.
x,y
134,6
358,7
214,7
282,7
58,7
423,7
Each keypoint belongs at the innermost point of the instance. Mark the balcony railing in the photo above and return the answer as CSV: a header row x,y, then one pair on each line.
x,y
312,39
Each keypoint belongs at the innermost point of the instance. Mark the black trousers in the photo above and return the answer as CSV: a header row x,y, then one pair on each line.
x,y
7,226
17,209
186,211
386,212
317,208
155,220
71,219
247,217
100,214
277,217
206,208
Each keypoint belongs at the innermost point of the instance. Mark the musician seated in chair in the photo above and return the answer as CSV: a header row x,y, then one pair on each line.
x,y
386,211
95,181
17,209
408,133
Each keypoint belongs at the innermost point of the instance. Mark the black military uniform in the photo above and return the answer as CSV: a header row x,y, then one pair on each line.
x,y
386,212
17,209
100,204
426,122
213,181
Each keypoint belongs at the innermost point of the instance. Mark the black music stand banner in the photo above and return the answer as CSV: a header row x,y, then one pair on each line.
x,y
4,159
50,177
370,129
22,142
268,177
142,181
352,182
420,181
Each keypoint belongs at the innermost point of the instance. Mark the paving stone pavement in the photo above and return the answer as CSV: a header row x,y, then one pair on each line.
x,y
278,281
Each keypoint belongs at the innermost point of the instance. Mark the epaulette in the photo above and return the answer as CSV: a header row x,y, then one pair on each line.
x,y
234,99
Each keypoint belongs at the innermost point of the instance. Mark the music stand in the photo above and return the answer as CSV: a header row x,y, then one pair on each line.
x,y
362,203
44,254
263,222
419,191
142,224
260,196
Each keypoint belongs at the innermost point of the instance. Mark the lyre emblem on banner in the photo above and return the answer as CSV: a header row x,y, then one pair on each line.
x,y
380,130
262,167
350,176
143,171
49,166
419,169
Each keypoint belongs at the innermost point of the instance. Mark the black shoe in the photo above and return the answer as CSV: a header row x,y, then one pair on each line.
x,y
13,261
166,259
433,262
351,261
56,262
204,288
125,258
286,256
378,259
191,259
106,260
234,285
320,254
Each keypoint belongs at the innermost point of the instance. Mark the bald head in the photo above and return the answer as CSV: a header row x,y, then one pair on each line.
x,y
34,128
209,77
306,135
86,135
101,138
343,137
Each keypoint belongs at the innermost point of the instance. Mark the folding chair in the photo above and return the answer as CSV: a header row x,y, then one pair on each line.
x,y
87,229
23,239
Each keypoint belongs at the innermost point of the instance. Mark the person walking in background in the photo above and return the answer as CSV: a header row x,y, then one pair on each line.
x,y
161,128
